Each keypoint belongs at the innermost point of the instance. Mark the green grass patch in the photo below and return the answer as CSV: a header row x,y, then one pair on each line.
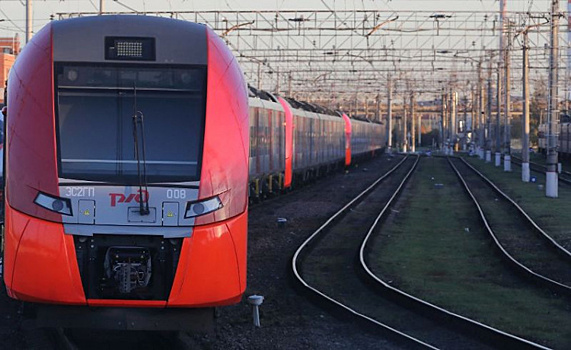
x,y
434,246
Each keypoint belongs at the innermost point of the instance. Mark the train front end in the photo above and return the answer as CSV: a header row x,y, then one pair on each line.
x,y
126,166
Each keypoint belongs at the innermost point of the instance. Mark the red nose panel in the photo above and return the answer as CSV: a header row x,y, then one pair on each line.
x,y
31,108
226,143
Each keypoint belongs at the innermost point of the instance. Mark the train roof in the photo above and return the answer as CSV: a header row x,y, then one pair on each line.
x,y
303,105
95,39
306,106
310,107
261,94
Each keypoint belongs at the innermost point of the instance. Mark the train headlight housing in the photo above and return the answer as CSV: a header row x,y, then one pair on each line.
x,y
53,203
198,208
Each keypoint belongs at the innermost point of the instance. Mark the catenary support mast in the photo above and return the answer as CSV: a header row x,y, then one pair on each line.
x,y
525,175
390,113
551,187
28,20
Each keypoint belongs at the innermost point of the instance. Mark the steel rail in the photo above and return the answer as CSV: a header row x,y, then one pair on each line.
x,y
544,234
490,333
542,167
542,280
339,305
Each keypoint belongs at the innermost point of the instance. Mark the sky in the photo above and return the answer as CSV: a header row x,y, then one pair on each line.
x,y
12,12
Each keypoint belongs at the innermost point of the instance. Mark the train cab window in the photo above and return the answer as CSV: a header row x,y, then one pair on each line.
x,y
95,109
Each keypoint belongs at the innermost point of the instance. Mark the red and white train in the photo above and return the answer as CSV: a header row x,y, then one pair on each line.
x,y
130,154
126,167
292,142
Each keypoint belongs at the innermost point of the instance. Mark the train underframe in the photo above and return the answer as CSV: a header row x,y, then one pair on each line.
x,y
270,185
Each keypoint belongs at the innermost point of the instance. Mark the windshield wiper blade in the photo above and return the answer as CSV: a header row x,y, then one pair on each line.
x,y
139,118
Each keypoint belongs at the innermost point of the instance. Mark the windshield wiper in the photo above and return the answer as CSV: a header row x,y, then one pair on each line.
x,y
139,119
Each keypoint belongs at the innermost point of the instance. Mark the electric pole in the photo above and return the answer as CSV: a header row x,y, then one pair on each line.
x,y
507,112
465,130
474,115
28,20
260,72
503,8
412,126
378,108
390,113
277,90
404,118
419,129
441,136
488,136
453,122
481,113
551,188
498,147
525,129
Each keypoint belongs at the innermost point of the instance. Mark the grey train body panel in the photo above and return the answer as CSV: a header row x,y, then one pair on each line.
x,y
170,49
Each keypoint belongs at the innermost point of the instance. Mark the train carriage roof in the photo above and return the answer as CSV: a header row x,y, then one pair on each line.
x,y
261,94
305,106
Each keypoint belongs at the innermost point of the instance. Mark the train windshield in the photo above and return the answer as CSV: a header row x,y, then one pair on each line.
x,y
95,106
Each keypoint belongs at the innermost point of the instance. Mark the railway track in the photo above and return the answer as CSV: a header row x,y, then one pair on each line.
x,y
527,247
564,176
324,267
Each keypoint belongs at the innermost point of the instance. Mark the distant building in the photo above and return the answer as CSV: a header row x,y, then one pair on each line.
x,y
9,50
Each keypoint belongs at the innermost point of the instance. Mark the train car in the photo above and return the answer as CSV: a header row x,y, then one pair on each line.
x,y
267,145
319,141
126,173
366,137
293,142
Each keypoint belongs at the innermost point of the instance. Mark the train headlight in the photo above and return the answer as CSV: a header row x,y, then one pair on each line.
x,y
72,75
55,204
194,209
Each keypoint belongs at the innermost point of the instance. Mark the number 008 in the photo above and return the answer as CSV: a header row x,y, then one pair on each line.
x,y
176,194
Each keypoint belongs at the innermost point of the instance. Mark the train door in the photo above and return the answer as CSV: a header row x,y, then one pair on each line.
x,y
301,152
254,159
280,120
270,134
348,133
